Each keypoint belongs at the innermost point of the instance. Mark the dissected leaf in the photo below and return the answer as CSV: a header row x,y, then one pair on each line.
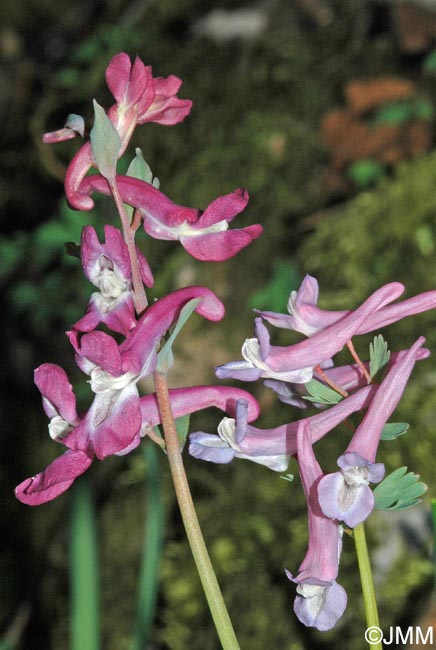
x,y
320,393
399,490
378,354
393,430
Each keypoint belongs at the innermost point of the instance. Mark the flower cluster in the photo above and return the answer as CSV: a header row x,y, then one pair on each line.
x,y
342,497
118,417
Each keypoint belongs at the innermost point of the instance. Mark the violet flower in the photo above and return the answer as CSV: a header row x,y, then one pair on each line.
x,y
204,235
320,600
140,98
349,377
270,447
296,363
346,495
306,317
113,423
108,267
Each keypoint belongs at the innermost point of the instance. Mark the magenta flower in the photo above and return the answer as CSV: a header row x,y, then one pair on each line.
x,y
204,235
270,447
306,317
139,99
296,363
59,404
320,600
346,495
107,266
113,423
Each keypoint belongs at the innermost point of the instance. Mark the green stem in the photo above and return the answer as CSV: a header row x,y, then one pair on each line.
x,y
198,547
84,570
367,581
139,297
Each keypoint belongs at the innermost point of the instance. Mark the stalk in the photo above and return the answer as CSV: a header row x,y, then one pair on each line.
x,y
189,516
366,579
139,296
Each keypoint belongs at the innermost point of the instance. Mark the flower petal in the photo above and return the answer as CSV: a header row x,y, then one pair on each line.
x,y
57,392
216,247
54,480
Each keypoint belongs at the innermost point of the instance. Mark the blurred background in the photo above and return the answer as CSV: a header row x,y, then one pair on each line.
x,y
325,111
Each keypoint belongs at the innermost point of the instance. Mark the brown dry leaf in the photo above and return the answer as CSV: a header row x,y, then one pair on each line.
x,y
364,96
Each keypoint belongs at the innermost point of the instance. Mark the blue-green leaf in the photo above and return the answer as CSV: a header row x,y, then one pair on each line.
x,y
140,169
378,354
399,490
393,430
182,428
165,359
321,394
105,143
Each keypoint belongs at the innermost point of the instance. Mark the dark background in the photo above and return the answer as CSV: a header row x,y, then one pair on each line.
x,y
349,196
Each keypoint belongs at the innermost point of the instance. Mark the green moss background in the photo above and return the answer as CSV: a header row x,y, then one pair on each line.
x,y
258,104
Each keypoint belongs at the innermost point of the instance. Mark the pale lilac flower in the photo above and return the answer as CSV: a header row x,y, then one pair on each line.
x,y
346,495
320,600
107,266
140,98
203,234
270,447
306,317
296,363
348,377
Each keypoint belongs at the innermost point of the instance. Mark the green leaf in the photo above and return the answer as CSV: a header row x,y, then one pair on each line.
x,y
140,169
365,172
151,551
399,490
393,430
378,354
165,359
321,394
274,295
182,428
288,477
429,64
393,114
84,610
105,143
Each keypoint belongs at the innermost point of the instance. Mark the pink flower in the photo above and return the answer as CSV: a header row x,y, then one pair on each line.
x,y
107,266
204,235
320,601
59,404
113,423
140,98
